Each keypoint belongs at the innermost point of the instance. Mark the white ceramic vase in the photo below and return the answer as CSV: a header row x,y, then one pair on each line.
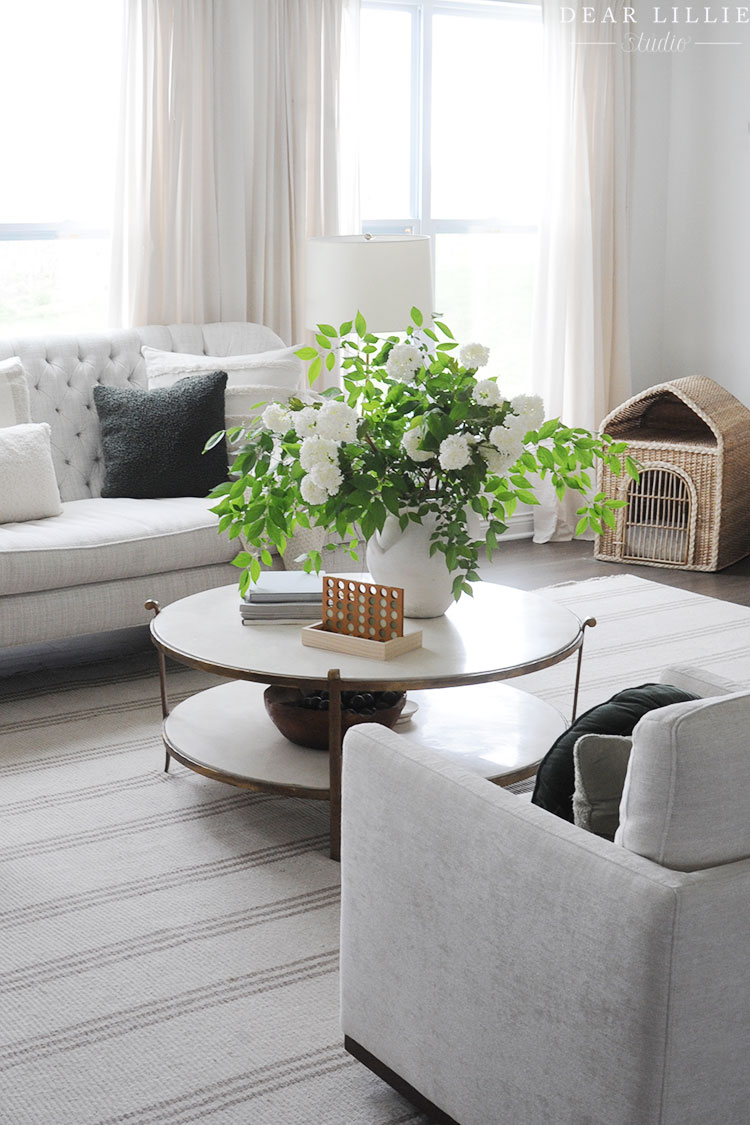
x,y
402,558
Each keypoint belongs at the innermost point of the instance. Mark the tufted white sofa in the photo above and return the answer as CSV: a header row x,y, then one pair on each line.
x,y
90,569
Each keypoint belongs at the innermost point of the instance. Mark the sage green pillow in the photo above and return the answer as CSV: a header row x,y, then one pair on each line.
x,y
600,762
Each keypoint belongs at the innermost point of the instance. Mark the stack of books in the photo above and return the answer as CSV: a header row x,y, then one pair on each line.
x,y
283,597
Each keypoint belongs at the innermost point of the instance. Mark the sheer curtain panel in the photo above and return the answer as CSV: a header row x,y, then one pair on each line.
x,y
233,115
580,353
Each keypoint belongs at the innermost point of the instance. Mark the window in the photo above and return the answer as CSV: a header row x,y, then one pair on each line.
x,y
451,147
59,86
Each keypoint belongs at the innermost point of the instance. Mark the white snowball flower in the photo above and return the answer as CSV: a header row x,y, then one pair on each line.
x,y
507,441
486,392
328,476
305,421
276,418
530,409
473,356
454,452
317,450
403,362
497,462
410,442
337,421
311,492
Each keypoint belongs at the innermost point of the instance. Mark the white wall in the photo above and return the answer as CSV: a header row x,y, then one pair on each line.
x,y
690,219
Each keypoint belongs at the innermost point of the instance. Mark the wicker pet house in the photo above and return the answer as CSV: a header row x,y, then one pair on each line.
x,y
691,508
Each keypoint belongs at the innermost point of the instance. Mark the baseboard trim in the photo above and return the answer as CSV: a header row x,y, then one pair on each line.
x,y
437,1116
520,526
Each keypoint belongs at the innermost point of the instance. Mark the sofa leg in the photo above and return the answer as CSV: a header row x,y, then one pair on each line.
x,y
437,1116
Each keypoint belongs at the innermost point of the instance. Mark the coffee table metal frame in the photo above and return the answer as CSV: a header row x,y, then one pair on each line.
x,y
334,683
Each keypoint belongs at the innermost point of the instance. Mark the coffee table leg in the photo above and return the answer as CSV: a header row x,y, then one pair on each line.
x,y
154,605
334,758
590,623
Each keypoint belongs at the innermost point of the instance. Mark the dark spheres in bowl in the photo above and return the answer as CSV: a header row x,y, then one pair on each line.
x,y
302,716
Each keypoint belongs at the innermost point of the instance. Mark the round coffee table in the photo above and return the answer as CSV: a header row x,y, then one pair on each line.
x,y
500,633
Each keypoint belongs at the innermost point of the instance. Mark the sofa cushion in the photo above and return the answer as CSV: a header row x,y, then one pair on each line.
x,y
153,440
601,763
14,393
685,801
555,779
280,367
98,539
28,488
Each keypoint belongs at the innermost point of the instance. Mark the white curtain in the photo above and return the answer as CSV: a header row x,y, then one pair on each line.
x,y
236,147
580,353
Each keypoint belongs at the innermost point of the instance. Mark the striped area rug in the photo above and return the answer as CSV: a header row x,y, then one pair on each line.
x,y
169,944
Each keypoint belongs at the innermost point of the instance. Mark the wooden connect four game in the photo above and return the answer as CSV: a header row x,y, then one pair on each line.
x,y
367,610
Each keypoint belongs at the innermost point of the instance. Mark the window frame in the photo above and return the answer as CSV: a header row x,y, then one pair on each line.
x,y
421,220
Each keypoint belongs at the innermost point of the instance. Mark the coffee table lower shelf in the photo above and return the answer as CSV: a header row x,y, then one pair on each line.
x,y
224,733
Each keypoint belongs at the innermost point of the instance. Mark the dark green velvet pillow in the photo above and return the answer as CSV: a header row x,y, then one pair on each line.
x,y
153,441
555,779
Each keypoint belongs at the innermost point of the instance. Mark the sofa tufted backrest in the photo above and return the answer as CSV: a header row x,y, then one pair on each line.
x,y
62,372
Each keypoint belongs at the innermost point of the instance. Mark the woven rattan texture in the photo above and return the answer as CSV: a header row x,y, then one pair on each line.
x,y
694,430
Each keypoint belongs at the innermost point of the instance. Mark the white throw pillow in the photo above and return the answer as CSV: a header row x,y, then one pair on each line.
x,y
28,486
282,367
14,393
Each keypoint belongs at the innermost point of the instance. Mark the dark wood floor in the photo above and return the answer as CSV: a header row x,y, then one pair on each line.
x,y
527,566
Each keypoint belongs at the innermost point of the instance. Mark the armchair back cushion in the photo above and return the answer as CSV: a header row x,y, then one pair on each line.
x,y
680,807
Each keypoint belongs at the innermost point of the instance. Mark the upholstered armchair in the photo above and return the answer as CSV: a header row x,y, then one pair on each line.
x,y
501,965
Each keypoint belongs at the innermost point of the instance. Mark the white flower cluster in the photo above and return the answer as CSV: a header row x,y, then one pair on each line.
x,y
530,410
322,429
277,418
473,356
410,442
455,452
487,393
404,361
318,456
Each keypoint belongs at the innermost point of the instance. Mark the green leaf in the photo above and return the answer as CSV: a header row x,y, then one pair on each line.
x,y
446,347
582,525
306,352
255,569
360,325
345,328
243,559
609,518
323,341
328,330
417,316
547,429
444,329
265,557
314,369
330,364
214,440
631,468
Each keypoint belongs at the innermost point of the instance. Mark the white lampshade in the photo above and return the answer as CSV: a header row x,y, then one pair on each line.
x,y
382,277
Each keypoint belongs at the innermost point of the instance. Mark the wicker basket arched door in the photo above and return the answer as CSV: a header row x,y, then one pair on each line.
x,y
659,517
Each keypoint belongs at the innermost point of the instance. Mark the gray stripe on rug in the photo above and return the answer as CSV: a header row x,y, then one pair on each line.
x,y
40,973
90,1032
168,880
154,821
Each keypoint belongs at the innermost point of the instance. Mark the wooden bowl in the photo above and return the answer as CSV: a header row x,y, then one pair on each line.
x,y
306,727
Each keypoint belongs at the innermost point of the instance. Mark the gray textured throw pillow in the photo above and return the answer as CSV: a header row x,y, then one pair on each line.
x,y
600,762
153,440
